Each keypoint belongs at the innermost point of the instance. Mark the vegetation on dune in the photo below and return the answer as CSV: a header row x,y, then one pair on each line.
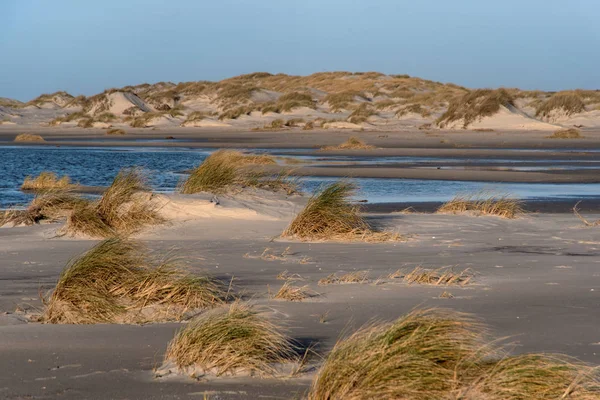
x,y
342,100
116,281
353,143
445,276
28,137
46,181
350,277
226,170
235,341
287,102
484,204
289,292
442,354
362,113
45,206
413,109
85,123
195,116
329,215
570,133
566,103
116,131
475,105
235,113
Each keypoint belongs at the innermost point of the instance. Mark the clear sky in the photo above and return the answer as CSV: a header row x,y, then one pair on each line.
x,y
86,46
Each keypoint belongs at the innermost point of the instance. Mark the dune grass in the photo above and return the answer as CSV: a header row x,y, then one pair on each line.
x,y
226,170
353,143
413,109
475,105
570,133
116,281
28,137
340,279
445,276
235,113
289,292
329,215
46,181
48,205
342,100
484,204
568,103
116,131
362,113
582,218
443,354
124,208
230,342
287,102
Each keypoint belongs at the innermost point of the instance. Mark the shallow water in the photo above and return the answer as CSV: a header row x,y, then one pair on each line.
x,y
97,167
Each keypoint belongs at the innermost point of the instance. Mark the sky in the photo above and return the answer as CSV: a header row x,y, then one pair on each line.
x,y
85,47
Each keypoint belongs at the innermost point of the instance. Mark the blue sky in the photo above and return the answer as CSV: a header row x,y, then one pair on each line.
x,y
86,46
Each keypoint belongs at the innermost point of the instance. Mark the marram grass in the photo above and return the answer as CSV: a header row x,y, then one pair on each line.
x,y
484,204
46,180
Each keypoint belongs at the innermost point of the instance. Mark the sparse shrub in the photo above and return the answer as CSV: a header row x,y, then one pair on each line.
x,y
570,133
85,123
475,105
353,143
28,137
116,131
46,181
484,204
568,103
46,206
308,126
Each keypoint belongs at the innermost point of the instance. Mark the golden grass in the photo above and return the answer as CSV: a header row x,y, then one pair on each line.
x,y
28,137
443,354
124,208
116,281
342,100
46,181
230,342
235,113
287,102
568,103
570,133
362,113
484,204
475,105
116,131
45,206
347,278
289,292
584,220
445,276
226,170
329,215
353,143
413,109
85,123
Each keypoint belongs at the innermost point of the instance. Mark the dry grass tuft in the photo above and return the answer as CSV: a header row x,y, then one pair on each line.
x,y
46,181
116,281
413,109
443,354
350,277
567,103
570,133
225,170
445,276
46,206
353,143
484,204
362,113
585,221
124,208
231,342
329,215
116,131
28,137
475,105
342,100
289,292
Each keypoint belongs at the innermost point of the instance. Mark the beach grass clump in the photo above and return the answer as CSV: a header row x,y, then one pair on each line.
x,y
235,113
445,276
28,137
353,143
443,354
106,117
46,180
116,131
288,102
570,133
290,292
47,205
235,341
195,116
563,103
86,122
225,170
347,278
484,204
342,100
117,282
124,208
413,109
362,113
329,215
474,106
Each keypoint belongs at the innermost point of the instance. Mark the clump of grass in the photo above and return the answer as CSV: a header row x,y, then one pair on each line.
x,y
275,124
350,277
46,181
342,100
353,143
144,120
288,102
45,206
289,292
570,133
225,170
124,208
484,204
116,281
475,105
413,109
106,117
231,342
28,137
361,114
584,220
235,113
445,276
308,126
116,131
85,123
195,116
442,354
568,103
329,215
295,122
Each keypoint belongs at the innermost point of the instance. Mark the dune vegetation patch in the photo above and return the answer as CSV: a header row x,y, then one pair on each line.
x,y
234,341
118,282
483,204
362,113
116,131
570,133
28,137
353,143
48,205
444,276
342,100
227,170
124,208
582,218
443,354
291,292
329,215
345,278
413,109
47,180
562,103
288,102
474,106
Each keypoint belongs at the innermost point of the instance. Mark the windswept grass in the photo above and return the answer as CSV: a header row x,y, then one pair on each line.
x,y
289,292
342,100
235,113
413,109
230,342
443,354
329,215
581,217
28,137
362,113
445,276
117,282
484,204
475,105
288,102
124,208
566,103
46,181
45,206
116,131
353,143
350,277
570,133
225,170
